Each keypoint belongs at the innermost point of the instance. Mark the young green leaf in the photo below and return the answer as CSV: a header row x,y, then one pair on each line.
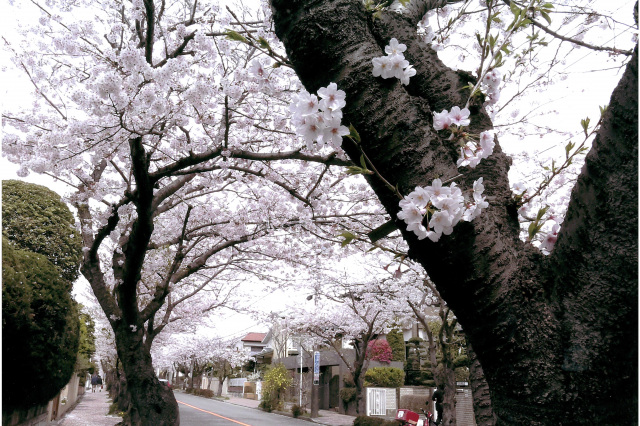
x,y
603,108
585,125
264,43
568,148
354,133
232,35
348,237
355,170
541,213
533,230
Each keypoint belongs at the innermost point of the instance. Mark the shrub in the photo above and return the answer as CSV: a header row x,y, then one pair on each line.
x,y
34,218
41,253
414,402
373,421
384,377
297,410
40,329
276,380
348,382
207,393
266,404
395,338
348,395
379,350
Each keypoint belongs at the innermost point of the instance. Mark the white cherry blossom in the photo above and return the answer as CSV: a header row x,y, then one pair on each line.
x,y
331,97
394,48
459,117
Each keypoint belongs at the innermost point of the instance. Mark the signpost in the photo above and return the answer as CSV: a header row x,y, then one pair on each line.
x,y
316,368
314,387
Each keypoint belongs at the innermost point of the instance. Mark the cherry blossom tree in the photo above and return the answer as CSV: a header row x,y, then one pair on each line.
x,y
445,341
189,168
196,355
553,334
186,173
345,317
225,359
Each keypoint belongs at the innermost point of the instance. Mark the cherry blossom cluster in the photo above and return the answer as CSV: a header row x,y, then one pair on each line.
x,y
552,222
424,30
260,75
473,152
474,148
549,241
320,121
393,64
434,210
491,82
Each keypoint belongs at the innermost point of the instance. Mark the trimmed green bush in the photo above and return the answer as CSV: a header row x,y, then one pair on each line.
x,y
373,421
297,411
34,218
40,329
41,254
384,377
347,395
396,341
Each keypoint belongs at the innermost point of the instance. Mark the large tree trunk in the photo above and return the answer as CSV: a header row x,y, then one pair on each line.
x,y
220,384
449,401
557,335
153,403
480,390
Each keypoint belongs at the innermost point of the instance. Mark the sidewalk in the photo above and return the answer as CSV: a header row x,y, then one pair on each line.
x,y
327,417
90,411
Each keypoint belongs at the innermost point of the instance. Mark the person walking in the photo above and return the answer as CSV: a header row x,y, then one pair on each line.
x,y
99,382
94,382
438,397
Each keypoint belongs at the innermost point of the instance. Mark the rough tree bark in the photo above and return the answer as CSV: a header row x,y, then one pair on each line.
x,y
152,403
556,335
480,390
445,375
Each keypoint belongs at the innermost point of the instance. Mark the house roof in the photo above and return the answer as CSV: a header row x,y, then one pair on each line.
x,y
254,337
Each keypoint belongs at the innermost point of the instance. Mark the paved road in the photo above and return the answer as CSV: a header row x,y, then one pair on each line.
x,y
197,411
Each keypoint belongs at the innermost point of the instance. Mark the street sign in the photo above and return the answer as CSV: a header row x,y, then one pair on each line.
x,y
316,368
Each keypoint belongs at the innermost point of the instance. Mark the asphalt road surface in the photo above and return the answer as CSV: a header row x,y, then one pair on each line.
x,y
197,411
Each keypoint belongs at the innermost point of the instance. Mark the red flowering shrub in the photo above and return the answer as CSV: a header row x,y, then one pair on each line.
x,y
379,350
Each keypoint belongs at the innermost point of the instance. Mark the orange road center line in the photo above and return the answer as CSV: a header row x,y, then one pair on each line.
x,y
212,413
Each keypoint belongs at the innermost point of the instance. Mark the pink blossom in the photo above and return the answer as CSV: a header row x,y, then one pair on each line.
x,y
394,48
441,120
332,98
460,117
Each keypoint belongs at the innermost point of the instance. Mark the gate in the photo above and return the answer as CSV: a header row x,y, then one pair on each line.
x,y
376,402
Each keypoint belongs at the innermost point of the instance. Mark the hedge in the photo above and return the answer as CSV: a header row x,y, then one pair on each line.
x,y
384,377
373,421
40,330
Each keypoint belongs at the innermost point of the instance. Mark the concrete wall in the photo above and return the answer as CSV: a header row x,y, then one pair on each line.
x,y
464,403
36,416
40,416
69,394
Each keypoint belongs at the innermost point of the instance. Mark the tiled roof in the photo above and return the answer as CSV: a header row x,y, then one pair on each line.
x,y
254,337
